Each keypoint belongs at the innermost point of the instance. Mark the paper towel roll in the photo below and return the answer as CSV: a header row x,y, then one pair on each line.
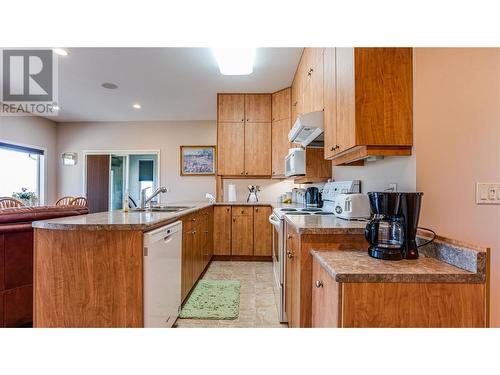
x,y
231,193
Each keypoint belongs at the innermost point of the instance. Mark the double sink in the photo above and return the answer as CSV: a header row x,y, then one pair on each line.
x,y
162,209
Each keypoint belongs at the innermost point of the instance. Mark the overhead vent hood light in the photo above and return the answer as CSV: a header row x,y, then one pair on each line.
x,y
308,130
235,61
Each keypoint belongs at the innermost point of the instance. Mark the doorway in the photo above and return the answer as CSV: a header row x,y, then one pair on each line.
x,y
110,177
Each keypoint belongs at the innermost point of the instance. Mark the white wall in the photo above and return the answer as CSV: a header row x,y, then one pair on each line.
x,y
38,132
164,136
377,175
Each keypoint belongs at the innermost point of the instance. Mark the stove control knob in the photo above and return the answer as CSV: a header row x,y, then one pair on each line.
x,y
338,209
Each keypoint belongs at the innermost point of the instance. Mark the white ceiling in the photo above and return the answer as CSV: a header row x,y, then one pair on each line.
x,y
169,83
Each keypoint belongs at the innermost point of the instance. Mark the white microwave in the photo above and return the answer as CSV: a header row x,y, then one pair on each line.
x,y
295,162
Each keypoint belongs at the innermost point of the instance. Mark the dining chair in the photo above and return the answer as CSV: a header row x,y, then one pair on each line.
x,y
79,201
8,202
64,201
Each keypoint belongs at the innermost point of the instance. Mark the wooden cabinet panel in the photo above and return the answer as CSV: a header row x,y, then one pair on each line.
x,y
242,210
258,108
231,108
242,235
230,148
257,148
262,231
295,100
281,104
325,299
346,101
280,146
222,230
292,279
330,102
98,167
316,82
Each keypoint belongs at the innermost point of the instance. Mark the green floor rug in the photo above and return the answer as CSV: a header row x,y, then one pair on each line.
x,y
213,299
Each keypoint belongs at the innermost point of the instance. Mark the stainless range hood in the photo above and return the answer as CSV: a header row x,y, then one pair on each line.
x,y
308,130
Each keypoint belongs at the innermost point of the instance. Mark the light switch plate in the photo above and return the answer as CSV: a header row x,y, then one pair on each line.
x,y
488,193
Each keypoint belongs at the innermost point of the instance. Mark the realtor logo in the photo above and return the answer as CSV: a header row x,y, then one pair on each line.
x,y
28,80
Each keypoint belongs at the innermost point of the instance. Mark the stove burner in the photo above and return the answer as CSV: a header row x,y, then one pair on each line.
x,y
288,209
311,209
298,213
323,213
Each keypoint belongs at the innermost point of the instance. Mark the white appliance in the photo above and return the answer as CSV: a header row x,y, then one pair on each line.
x,y
295,162
308,129
352,206
162,275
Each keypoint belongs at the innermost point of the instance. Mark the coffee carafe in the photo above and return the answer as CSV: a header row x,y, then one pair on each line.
x,y
392,229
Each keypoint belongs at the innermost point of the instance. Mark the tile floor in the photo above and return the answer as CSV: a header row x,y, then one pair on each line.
x,y
257,302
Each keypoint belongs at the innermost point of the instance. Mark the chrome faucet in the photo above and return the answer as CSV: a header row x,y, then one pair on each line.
x,y
145,201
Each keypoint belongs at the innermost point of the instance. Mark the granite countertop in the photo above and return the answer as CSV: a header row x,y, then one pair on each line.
x,y
317,224
118,220
355,266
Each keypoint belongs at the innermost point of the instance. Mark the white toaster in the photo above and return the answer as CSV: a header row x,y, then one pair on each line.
x,y
352,206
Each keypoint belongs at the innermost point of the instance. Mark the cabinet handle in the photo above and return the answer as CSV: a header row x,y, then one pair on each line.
x,y
256,210
319,284
289,236
234,220
242,120
248,120
310,71
289,254
206,232
193,219
274,172
241,172
228,209
336,147
246,173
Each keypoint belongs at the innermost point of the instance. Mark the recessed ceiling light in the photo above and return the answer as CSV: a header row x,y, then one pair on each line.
x,y
136,106
235,61
60,52
109,86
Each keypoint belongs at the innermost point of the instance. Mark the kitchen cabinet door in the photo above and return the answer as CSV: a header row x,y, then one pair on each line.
x,y
281,104
346,101
294,101
262,231
230,148
316,82
242,235
231,108
187,265
330,103
325,299
257,148
222,230
258,108
280,146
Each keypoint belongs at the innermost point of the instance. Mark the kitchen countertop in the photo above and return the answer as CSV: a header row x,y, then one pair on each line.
x,y
118,220
330,224
355,266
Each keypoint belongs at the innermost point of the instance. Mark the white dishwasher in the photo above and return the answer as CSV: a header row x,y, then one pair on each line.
x,y
162,275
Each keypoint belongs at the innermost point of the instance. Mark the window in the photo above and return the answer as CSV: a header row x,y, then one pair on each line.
x,y
146,174
21,169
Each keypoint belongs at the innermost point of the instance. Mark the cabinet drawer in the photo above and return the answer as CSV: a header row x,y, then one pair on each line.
x,y
242,210
192,220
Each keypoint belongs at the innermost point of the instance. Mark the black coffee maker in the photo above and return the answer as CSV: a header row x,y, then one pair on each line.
x,y
392,229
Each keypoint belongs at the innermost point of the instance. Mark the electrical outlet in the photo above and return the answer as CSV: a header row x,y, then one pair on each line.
x,y
487,193
393,187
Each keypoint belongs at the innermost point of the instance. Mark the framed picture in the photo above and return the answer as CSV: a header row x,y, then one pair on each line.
x,y
197,160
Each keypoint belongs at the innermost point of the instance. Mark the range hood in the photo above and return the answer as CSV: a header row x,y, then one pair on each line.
x,y
308,130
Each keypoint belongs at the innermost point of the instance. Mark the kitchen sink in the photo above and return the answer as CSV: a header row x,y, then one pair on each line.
x,y
162,209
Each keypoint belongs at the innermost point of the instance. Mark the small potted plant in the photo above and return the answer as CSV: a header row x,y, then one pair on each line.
x,y
29,198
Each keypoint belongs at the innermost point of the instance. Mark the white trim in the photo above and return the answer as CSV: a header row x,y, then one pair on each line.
x,y
43,168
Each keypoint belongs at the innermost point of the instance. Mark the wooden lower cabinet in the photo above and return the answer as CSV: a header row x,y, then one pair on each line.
x,y
395,305
299,269
242,231
262,231
196,248
222,230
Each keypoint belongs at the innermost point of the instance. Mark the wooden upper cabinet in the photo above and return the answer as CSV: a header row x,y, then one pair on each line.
x,y
316,82
346,99
231,108
230,146
281,101
280,130
262,231
368,106
257,148
222,230
294,101
258,108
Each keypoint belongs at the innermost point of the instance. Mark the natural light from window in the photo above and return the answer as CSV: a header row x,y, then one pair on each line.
x,y
19,170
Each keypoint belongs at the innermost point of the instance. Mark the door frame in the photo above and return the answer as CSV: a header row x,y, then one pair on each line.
x,y
122,152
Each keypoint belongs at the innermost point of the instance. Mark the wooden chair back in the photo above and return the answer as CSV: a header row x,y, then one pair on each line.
x,y
64,201
79,201
8,202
